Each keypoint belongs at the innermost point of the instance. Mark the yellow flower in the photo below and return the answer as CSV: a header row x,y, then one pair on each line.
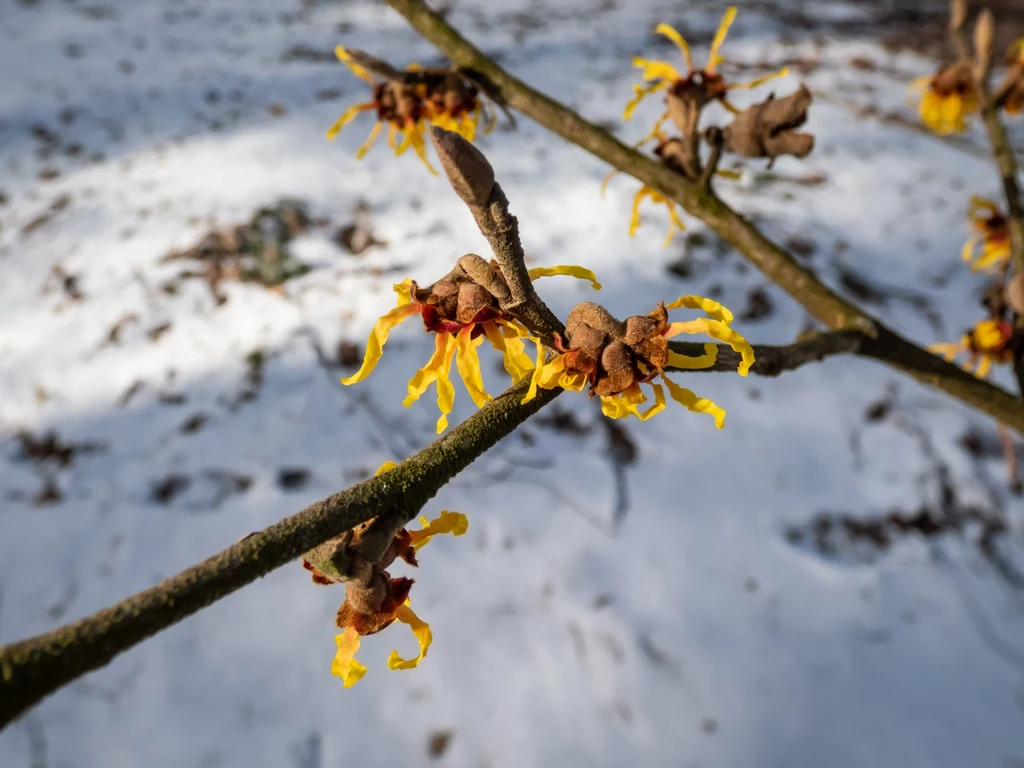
x,y
661,75
991,232
947,98
459,330
987,343
390,601
405,108
618,367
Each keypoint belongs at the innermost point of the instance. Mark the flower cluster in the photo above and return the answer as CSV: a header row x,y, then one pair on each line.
x,y
374,600
408,101
988,343
461,313
948,97
990,232
616,357
704,85
687,93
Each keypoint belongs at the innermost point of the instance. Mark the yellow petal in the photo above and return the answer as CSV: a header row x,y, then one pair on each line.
x,y
711,308
404,291
675,37
468,363
517,362
445,390
720,331
378,337
392,140
723,29
652,69
566,269
538,370
427,375
423,636
454,523
687,363
606,179
357,70
419,146
515,348
387,466
984,366
967,252
638,198
552,373
758,80
345,665
347,117
640,93
659,404
691,402
369,140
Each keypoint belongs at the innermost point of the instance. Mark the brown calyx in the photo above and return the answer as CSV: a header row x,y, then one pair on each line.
x,y
461,298
369,608
609,352
957,78
768,129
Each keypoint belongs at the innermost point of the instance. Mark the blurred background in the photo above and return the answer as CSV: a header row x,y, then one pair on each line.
x,y
187,268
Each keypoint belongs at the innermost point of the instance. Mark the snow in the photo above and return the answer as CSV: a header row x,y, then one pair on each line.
x,y
692,631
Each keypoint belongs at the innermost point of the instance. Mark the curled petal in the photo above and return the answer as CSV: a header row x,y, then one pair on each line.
x,y
967,252
468,363
606,179
404,290
723,29
758,80
427,375
414,133
711,308
984,366
347,117
346,59
345,665
674,222
387,466
361,152
657,70
538,371
720,331
454,523
680,43
638,198
979,206
566,269
378,337
445,390
640,92
423,636
658,407
691,402
517,362
687,363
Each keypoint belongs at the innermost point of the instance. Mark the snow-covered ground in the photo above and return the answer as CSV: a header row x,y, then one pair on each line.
x,y
709,621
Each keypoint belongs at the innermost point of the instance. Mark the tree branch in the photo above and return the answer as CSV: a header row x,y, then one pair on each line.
x,y
775,263
32,669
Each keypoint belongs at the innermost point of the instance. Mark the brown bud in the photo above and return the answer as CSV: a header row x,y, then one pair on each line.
x,y
468,171
984,35
587,313
487,275
957,14
769,129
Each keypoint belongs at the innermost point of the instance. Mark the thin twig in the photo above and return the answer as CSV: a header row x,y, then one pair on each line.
x,y
775,263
